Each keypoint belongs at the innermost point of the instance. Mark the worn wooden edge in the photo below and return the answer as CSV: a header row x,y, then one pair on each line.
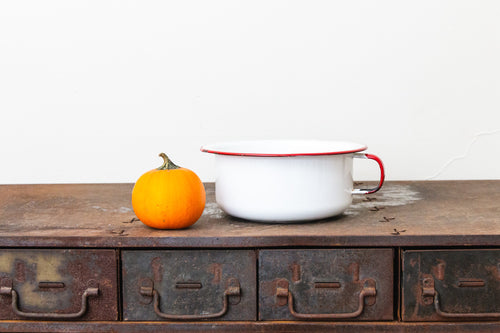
x,y
246,326
253,242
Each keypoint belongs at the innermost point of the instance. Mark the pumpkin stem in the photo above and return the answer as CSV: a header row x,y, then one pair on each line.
x,y
167,163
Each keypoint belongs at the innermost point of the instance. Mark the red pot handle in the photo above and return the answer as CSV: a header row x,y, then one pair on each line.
x,y
382,174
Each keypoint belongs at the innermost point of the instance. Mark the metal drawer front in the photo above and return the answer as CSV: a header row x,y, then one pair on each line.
x,y
326,284
189,285
451,285
58,284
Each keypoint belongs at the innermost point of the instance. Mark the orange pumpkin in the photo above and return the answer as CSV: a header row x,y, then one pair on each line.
x,y
169,197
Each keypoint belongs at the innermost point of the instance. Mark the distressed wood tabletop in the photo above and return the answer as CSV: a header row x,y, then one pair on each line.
x,y
410,213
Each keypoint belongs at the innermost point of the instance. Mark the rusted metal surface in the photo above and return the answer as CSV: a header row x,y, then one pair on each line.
x,y
402,214
58,284
232,289
221,285
369,290
245,326
438,213
355,284
10,291
262,327
451,285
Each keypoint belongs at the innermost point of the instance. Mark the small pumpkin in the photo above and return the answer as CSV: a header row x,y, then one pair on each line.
x,y
169,197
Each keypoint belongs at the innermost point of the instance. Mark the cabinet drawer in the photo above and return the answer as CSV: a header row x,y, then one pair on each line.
x,y
451,285
58,284
189,285
326,284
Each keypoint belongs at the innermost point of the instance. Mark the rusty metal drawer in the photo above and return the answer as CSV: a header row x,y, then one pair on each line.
x,y
58,284
451,285
189,285
326,284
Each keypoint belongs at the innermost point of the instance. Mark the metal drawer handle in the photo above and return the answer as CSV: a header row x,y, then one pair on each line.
x,y
12,292
461,315
367,291
430,295
233,289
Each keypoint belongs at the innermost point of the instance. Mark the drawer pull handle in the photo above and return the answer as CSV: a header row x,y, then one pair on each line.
x,y
430,295
233,289
12,292
368,290
461,315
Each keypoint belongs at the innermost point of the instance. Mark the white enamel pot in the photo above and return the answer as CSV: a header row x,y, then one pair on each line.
x,y
287,180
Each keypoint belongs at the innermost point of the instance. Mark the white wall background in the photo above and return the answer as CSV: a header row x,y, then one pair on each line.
x,y
93,90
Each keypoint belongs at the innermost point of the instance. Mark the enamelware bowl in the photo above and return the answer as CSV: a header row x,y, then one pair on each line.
x,y
287,180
